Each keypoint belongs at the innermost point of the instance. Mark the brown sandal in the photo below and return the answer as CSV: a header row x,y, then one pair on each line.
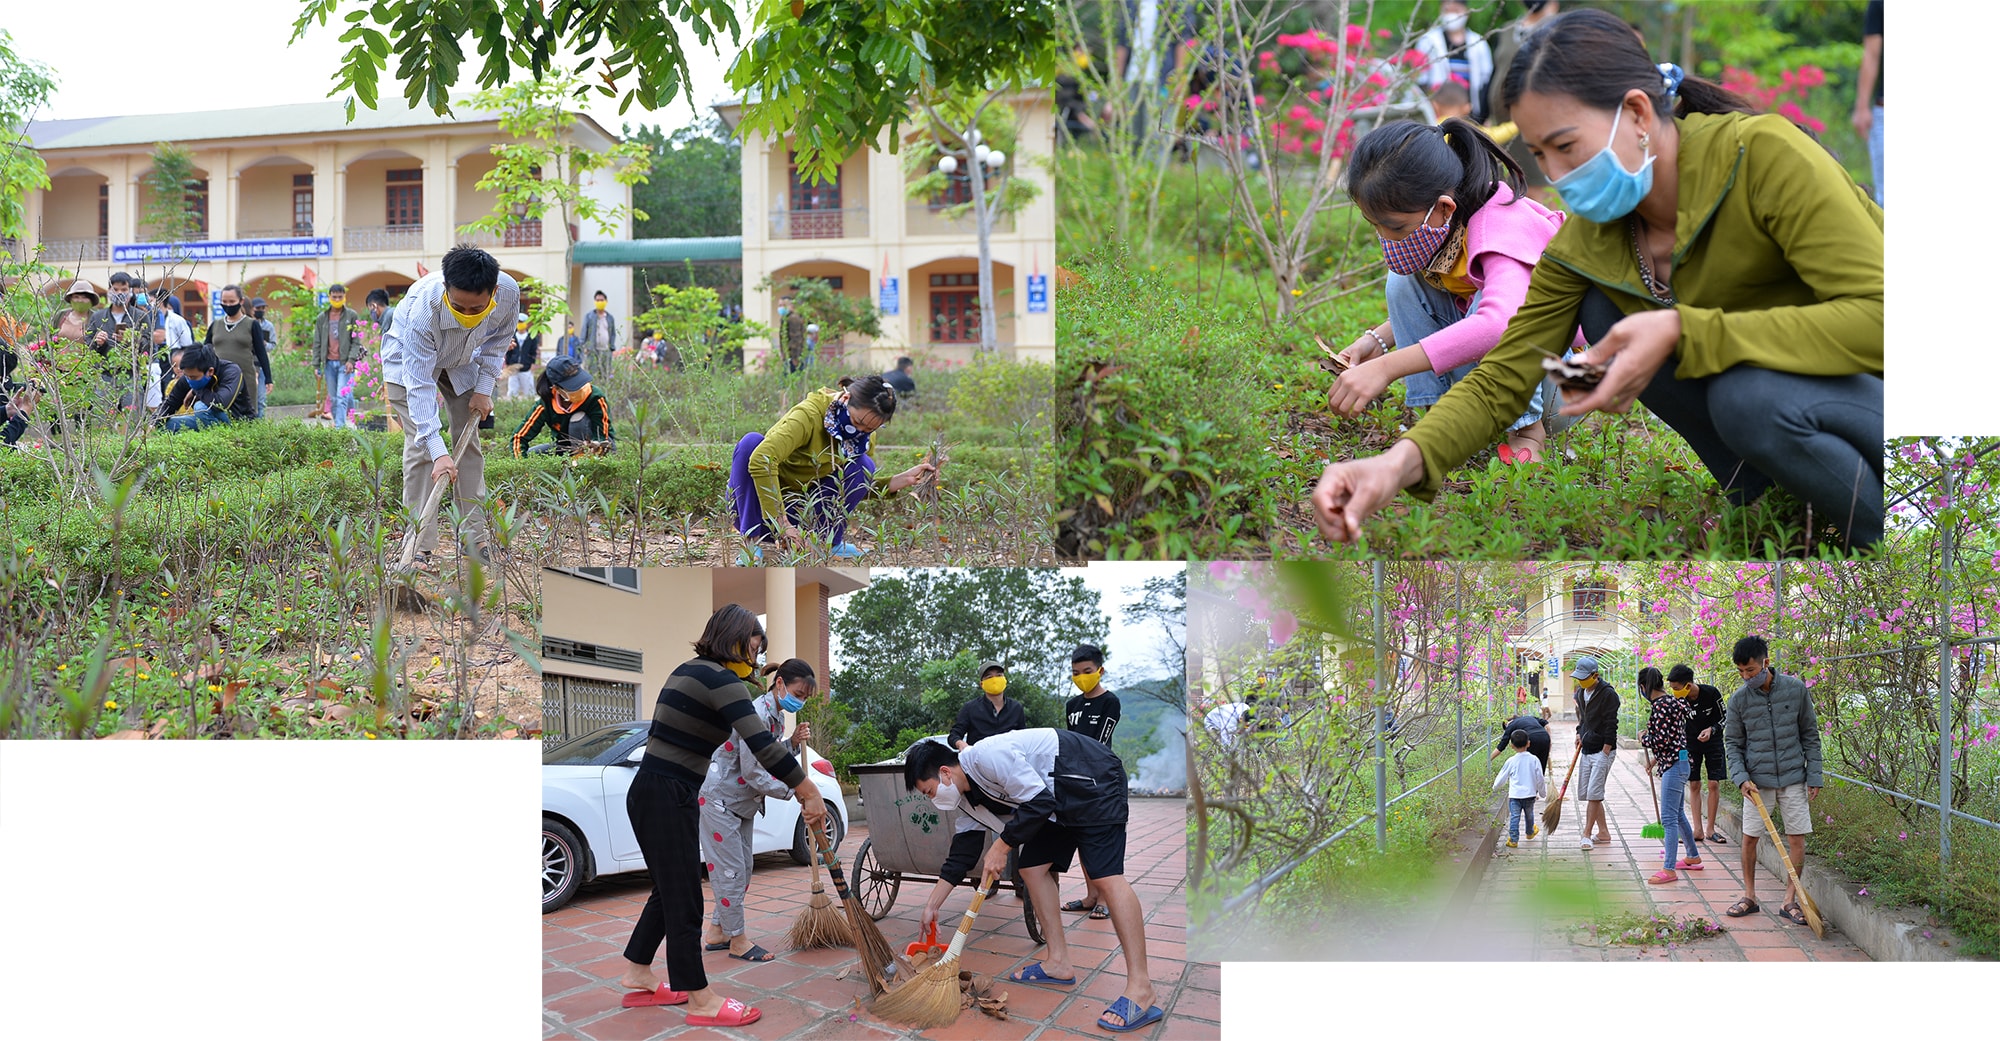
x,y
1792,913
1742,908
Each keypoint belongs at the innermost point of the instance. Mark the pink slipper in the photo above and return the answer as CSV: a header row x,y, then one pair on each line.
x,y
1661,878
733,1013
651,998
1689,865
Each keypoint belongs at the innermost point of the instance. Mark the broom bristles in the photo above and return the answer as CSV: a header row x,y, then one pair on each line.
x,y
931,999
1552,816
820,925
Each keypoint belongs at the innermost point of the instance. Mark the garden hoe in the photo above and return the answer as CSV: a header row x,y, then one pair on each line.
x,y
1657,829
408,597
1552,815
932,998
1784,854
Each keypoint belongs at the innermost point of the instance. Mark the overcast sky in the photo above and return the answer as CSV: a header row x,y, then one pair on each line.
x,y
166,64
1135,647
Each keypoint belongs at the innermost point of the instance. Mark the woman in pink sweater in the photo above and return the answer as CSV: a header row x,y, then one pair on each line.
x,y
1461,243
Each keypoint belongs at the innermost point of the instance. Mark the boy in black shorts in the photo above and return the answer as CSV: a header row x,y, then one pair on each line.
x,y
1705,750
1063,794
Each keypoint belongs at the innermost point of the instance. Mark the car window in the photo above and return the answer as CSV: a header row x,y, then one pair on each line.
x,y
586,749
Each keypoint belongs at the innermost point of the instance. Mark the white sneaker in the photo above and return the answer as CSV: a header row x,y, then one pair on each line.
x,y
1584,844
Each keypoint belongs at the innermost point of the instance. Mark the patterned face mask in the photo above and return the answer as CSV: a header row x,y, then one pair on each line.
x,y
848,440
1409,255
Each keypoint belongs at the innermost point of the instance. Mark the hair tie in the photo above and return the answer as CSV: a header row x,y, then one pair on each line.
x,y
1671,76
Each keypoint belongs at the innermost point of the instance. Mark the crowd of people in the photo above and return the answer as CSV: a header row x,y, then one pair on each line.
x,y
1022,799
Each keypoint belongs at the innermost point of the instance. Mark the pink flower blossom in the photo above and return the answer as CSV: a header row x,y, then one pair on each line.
x,y
1283,627
1225,570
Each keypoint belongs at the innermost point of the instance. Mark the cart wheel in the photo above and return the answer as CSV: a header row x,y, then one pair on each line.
x,y
874,887
1027,904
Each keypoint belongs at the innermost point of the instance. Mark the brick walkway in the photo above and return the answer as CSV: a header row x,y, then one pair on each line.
x,y
1532,899
801,996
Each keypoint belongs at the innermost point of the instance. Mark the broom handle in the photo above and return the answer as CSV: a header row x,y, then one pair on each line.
x,y
429,517
1653,789
833,868
987,887
1564,794
1784,854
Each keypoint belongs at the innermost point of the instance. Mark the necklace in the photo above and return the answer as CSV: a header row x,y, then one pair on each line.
x,y
1660,292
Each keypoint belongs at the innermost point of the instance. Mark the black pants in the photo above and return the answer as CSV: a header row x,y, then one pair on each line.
x,y
667,822
966,846
1817,437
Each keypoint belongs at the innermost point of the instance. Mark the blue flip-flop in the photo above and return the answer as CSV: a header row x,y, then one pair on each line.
x,y
1033,973
1124,1009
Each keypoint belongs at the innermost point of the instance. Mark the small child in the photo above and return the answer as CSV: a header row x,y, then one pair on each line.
x,y
1524,780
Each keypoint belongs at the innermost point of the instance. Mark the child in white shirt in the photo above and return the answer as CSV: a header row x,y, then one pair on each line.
x,y
1524,780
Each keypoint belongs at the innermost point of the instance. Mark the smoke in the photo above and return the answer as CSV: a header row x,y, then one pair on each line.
x,y
1165,771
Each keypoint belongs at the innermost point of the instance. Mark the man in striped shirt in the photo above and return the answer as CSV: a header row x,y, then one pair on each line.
x,y
448,338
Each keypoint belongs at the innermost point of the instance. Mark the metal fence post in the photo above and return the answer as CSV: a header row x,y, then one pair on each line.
x,y
1381,721
1777,611
1458,735
1944,681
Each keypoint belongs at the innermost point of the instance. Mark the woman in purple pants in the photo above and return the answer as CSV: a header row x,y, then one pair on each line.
x,y
812,469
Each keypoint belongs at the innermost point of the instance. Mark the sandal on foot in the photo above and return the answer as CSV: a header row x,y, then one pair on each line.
x,y
1076,905
755,953
1685,864
1742,908
1717,837
733,1013
1663,877
1792,913
1032,973
723,946
1100,912
658,996
1124,1009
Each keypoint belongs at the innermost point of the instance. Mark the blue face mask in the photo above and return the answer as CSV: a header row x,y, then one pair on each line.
x,y
200,383
791,703
1602,190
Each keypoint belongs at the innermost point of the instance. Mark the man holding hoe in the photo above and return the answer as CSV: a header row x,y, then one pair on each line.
x,y
1772,738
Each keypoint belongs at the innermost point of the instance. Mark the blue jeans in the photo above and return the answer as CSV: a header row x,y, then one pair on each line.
x,y
197,420
1673,813
340,403
1519,810
1417,310
1875,152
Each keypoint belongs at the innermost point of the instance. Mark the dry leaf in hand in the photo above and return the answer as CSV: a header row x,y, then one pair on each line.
x,y
1333,362
1571,375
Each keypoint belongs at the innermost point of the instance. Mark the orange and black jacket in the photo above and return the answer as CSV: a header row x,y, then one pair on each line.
x,y
556,420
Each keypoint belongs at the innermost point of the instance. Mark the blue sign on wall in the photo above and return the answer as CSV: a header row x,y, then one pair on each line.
x,y
1038,294
892,296
214,305
243,249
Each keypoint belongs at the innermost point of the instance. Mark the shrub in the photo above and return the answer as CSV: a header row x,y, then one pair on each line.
x,y
999,393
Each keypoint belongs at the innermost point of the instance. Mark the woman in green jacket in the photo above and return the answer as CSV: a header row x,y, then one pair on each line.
x,y
813,468
1726,270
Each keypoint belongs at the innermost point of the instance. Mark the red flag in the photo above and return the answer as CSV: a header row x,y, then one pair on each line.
x,y
312,278
422,270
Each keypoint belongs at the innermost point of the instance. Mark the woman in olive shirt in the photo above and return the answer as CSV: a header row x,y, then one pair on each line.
x,y
814,467
1725,268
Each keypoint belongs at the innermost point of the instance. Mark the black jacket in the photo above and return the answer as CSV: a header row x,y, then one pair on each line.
x,y
1709,711
977,721
1597,719
228,390
1538,736
526,352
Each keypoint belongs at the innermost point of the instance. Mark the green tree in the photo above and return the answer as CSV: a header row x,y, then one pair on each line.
x,y
835,73
646,63
25,86
815,302
690,321
1028,618
174,190
695,189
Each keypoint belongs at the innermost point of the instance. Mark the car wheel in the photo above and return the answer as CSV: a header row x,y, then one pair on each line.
x,y
801,852
562,864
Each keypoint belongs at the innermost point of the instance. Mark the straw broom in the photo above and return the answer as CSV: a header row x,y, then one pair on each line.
x,y
932,998
1552,815
1784,856
874,947
820,925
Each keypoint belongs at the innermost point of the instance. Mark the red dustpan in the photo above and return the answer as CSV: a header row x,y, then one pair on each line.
x,y
928,943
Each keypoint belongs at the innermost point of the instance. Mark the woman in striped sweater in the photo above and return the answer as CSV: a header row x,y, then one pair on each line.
x,y
701,704
1665,739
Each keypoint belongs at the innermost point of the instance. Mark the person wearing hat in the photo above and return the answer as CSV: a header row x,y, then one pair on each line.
x,y
1597,739
125,325
337,345
569,406
82,300
521,359
992,712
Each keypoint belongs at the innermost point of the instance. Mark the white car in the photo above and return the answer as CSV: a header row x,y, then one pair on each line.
x,y
586,833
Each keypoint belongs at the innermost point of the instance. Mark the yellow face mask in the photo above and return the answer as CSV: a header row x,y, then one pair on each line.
x,y
1087,681
1587,682
602,304
1682,691
470,320
740,668
993,684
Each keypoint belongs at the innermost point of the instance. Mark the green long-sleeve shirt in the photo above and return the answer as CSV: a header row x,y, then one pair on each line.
x,y
1777,264
797,452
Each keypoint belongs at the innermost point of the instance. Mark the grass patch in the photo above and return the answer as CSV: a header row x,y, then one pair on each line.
x,y
1646,931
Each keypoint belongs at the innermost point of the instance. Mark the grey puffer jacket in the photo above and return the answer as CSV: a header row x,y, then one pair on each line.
x,y
1773,738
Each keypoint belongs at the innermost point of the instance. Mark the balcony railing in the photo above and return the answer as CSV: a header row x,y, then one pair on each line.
x,y
276,233
382,238
527,233
925,219
14,249
819,224
59,250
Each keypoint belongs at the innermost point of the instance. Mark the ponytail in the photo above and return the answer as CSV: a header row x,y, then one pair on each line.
x,y
872,393
1402,167
1700,95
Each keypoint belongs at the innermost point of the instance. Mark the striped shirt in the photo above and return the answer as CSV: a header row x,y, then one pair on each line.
x,y
425,342
699,706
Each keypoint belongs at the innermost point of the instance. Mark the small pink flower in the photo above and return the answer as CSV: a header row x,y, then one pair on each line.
x,y
1225,570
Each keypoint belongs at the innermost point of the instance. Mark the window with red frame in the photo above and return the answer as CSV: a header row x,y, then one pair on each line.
x,y
405,199
955,310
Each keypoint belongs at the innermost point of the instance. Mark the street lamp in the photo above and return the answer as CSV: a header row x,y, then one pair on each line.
x,y
948,165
